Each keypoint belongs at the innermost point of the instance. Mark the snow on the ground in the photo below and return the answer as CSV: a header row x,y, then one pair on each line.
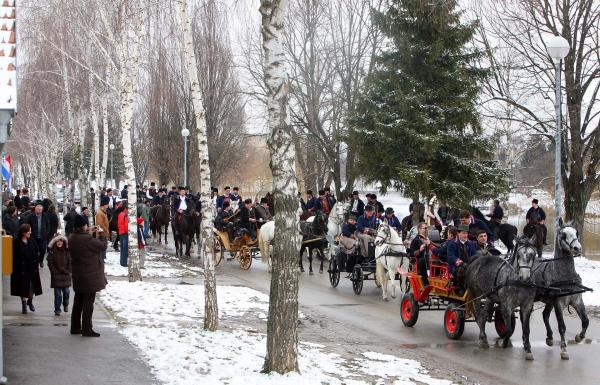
x,y
589,271
164,321
153,267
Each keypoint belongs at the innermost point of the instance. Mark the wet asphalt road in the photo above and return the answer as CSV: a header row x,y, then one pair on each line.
x,y
381,320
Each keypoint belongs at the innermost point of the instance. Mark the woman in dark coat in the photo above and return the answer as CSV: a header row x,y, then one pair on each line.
x,y
25,279
59,263
10,222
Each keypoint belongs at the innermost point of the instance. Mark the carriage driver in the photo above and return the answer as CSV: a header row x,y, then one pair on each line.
x,y
248,218
224,221
392,220
348,243
366,229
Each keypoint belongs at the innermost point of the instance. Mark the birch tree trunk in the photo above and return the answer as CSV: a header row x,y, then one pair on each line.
x,y
282,334
128,80
95,130
103,170
211,314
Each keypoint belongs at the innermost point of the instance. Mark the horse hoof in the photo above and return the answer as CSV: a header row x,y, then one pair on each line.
x,y
529,356
310,273
484,345
549,341
578,338
385,299
564,355
301,270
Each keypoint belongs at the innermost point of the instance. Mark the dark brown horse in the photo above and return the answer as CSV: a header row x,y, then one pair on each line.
x,y
184,228
160,216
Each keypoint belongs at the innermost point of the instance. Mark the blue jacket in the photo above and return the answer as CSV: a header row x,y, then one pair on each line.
x,y
221,200
456,250
360,207
348,230
310,204
364,222
393,222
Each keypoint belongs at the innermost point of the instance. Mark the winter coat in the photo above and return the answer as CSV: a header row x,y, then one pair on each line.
x,y
360,207
102,221
144,212
26,274
123,223
59,263
69,219
86,262
42,231
53,223
348,230
10,225
394,222
263,213
366,223
535,215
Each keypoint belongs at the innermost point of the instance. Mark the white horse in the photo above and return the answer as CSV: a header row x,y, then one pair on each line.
x,y
266,236
387,242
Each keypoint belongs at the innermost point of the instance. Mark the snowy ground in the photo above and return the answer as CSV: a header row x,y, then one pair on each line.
x,y
166,326
590,276
156,265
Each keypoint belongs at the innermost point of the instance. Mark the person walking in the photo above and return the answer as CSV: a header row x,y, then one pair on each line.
x,y
88,274
39,231
102,219
69,219
123,231
59,263
53,221
25,279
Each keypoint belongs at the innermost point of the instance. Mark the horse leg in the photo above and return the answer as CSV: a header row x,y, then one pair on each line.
x,y
301,255
188,244
166,234
322,254
558,310
391,275
381,277
525,313
580,309
310,270
481,319
546,317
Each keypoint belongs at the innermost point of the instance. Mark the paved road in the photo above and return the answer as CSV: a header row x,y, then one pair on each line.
x,y
501,366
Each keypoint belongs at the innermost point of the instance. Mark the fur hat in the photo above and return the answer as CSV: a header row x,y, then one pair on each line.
x,y
57,238
104,200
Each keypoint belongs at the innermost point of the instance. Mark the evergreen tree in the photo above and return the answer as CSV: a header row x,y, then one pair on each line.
x,y
416,126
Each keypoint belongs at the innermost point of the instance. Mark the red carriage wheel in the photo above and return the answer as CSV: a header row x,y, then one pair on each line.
x,y
409,310
501,327
454,322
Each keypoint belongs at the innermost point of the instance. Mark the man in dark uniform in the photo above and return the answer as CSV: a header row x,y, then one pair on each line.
x,y
224,221
181,203
496,217
357,206
262,213
311,200
392,220
330,198
248,218
535,216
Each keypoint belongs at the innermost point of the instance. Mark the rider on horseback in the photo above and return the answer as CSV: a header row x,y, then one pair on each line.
x,y
158,198
535,217
496,216
323,203
181,203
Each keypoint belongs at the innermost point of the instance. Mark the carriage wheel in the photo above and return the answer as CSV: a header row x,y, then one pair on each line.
x,y
357,280
454,322
409,310
501,327
334,273
245,258
217,250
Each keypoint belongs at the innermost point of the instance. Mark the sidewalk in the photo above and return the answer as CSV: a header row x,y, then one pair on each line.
x,y
38,348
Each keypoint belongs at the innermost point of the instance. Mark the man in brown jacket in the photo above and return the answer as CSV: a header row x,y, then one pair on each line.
x,y
88,275
102,219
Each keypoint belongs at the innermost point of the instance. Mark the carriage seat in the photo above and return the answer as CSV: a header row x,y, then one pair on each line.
x,y
438,268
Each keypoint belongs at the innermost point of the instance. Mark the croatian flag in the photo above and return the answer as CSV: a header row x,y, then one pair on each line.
x,y
6,170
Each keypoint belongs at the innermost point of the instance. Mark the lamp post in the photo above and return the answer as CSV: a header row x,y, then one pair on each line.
x,y
185,133
558,48
112,164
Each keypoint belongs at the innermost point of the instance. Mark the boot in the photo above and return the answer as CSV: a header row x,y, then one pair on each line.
x,y
90,333
24,307
30,304
66,307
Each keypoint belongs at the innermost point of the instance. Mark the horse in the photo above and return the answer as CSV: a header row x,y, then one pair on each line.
x,y
160,217
536,231
504,231
184,229
390,255
266,236
503,282
313,237
334,225
559,272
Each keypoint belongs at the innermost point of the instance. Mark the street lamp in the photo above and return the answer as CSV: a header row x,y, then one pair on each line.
x,y
558,48
185,133
112,164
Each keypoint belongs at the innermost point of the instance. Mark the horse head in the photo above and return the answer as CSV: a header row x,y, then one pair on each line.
x,y
568,239
383,234
320,221
524,256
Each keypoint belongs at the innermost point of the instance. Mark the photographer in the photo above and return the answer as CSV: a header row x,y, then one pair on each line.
x,y
88,274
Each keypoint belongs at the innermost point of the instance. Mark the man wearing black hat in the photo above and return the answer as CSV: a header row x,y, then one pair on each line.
x,y
181,203
248,218
262,212
88,275
377,206
535,217
223,198
348,243
460,249
159,197
322,203
366,229
152,190
330,198
357,206
173,193
392,220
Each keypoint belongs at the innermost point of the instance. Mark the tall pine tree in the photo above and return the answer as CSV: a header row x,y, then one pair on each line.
x,y
416,126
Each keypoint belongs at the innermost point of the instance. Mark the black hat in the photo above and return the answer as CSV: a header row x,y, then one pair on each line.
x,y
373,196
309,192
534,201
263,200
354,192
368,208
327,189
248,201
321,192
389,210
80,222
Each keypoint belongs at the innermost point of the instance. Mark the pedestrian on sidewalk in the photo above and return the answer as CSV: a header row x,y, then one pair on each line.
x,y
102,219
25,279
123,230
141,240
59,263
143,210
53,221
88,274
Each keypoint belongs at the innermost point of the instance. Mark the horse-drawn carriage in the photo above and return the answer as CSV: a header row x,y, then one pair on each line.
x,y
360,268
243,247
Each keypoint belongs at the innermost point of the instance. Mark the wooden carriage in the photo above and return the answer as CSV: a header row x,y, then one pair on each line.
x,y
243,248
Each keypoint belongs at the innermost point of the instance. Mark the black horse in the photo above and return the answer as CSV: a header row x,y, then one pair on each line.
x,y
494,281
313,237
184,228
504,231
559,273
160,216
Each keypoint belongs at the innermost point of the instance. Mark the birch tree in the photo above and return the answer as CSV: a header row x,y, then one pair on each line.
x,y
211,314
282,333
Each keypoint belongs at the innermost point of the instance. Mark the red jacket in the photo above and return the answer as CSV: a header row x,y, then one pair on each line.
x,y
123,223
